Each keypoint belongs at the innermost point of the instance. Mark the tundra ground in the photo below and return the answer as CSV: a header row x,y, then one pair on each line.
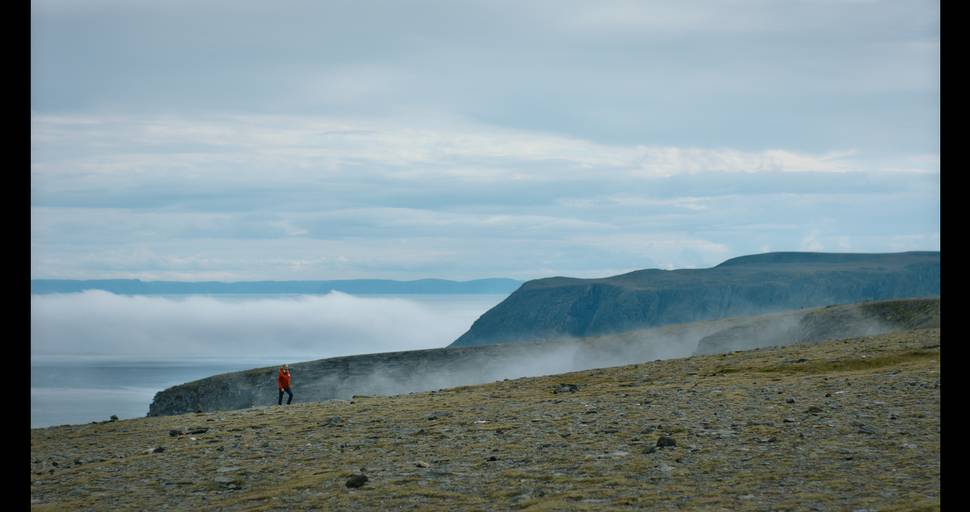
x,y
840,425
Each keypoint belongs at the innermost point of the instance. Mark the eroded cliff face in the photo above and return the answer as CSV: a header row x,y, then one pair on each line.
x,y
552,308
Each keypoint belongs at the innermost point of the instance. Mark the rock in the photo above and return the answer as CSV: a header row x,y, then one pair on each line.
x,y
332,421
492,458
175,433
356,481
160,449
439,414
226,479
650,449
422,464
813,410
198,431
566,388
790,401
664,442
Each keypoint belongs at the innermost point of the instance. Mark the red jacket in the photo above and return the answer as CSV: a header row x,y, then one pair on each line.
x,y
283,379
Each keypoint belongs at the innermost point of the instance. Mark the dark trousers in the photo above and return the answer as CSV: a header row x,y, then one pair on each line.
x,y
288,400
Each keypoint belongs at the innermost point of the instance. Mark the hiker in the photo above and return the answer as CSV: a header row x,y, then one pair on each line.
x,y
283,382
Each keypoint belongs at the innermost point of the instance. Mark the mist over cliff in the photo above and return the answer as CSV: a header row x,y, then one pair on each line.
x,y
556,307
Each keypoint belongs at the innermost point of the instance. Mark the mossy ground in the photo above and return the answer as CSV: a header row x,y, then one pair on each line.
x,y
842,425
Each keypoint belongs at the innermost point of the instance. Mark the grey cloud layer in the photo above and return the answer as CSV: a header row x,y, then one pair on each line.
x,y
245,140
803,75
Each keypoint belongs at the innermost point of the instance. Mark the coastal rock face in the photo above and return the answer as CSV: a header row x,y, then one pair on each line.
x,y
552,308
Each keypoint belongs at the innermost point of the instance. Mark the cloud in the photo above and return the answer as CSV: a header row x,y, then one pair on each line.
x,y
323,140
309,327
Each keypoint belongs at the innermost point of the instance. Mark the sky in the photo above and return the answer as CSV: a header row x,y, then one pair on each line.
x,y
304,140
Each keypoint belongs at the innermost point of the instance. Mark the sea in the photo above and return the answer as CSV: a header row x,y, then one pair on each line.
x,y
95,355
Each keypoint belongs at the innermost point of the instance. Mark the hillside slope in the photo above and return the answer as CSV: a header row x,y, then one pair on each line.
x,y
552,308
831,322
844,425
391,373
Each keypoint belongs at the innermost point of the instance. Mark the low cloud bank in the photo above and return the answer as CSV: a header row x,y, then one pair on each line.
x,y
100,323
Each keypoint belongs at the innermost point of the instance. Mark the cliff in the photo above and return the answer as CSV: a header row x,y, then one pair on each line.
x,y
557,307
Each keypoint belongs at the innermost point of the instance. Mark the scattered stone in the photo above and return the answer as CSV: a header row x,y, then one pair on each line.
x,y
439,414
332,421
790,401
566,388
160,449
356,481
754,423
664,442
175,433
813,410
422,464
650,449
492,458
198,431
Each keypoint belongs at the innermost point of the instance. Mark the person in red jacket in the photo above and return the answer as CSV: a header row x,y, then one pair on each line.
x,y
283,383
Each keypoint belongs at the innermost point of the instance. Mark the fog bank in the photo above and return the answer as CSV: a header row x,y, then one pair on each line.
x,y
299,327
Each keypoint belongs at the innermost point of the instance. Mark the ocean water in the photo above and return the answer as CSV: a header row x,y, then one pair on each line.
x,y
96,354
87,389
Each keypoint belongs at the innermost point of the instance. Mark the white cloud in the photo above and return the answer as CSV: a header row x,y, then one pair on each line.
x,y
248,149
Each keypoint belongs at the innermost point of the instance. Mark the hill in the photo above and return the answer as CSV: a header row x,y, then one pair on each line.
x,y
557,307
838,425
830,322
